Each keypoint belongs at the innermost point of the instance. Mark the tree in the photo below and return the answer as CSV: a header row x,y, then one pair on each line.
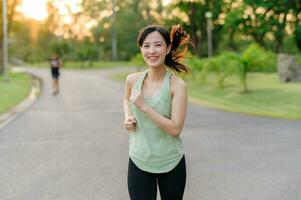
x,y
11,13
126,11
263,17
232,21
191,15
253,57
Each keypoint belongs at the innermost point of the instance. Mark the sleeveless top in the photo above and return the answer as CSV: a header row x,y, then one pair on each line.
x,y
54,63
150,148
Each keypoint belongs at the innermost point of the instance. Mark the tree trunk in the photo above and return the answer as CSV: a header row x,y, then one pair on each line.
x,y
194,30
231,40
298,26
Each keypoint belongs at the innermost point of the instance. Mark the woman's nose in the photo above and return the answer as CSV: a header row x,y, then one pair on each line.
x,y
152,49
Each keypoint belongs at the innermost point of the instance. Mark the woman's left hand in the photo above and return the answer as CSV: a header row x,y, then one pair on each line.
x,y
137,99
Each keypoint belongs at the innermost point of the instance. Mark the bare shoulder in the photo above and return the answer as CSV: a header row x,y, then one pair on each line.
x,y
176,84
131,79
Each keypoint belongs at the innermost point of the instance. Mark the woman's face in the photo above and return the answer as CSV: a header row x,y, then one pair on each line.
x,y
154,49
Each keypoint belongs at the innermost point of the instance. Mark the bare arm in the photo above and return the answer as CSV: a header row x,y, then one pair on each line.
x,y
129,119
174,125
126,99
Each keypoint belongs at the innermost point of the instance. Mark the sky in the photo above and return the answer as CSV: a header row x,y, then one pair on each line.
x,y
37,9
34,9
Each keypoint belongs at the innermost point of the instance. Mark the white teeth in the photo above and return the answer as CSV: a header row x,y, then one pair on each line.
x,y
153,58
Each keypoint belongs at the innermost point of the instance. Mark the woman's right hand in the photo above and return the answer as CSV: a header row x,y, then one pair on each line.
x,y
130,124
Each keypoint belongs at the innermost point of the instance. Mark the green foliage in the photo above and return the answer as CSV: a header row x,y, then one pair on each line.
x,y
138,61
269,97
224,65
298,36
127,35
87,51
197,22
14,90
231,26
195,63
298,56
255,58
199,68
235,24
60,46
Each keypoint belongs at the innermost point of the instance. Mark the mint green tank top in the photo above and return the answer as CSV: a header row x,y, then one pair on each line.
x,y
150,148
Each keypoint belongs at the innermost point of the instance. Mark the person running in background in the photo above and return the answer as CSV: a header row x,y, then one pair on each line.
x,y
55,65
155,104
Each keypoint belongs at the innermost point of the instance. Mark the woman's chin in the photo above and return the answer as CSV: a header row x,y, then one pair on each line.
x,y
155,65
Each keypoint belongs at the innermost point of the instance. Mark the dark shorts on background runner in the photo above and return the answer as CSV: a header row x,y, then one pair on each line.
x,y
55,72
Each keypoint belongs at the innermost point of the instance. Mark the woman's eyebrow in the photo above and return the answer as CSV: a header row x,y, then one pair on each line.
x,y
155,42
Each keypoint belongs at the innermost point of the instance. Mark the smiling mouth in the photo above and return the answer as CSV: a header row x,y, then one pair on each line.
x,y
153,58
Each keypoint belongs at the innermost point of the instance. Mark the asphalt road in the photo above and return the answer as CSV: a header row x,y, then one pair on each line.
x,y
72,147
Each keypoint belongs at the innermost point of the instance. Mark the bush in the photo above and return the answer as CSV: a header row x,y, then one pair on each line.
x,y
198,67
224,65
256,59
138,61
298,57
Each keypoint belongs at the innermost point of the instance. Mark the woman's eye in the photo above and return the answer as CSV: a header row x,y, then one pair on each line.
x,y
146,46
158,45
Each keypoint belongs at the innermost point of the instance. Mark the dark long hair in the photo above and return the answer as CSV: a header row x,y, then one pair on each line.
x,y
179,41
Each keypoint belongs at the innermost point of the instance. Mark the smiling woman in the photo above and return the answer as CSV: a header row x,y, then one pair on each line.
x,y
34,9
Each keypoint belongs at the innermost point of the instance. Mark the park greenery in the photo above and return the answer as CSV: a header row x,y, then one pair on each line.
x,y
15,90
108,29
247,36
269,97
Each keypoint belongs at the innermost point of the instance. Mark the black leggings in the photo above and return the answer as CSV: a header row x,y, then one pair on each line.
x,y
143,185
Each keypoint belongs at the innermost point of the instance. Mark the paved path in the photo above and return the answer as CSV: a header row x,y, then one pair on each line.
x,y
73,147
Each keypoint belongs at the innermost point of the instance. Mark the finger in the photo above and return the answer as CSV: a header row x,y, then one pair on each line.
x,y
128,125
130,128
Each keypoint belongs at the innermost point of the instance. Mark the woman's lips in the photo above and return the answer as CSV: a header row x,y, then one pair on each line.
x,y
153,58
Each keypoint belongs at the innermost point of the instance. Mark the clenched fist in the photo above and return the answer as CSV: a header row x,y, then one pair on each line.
x,y
130,124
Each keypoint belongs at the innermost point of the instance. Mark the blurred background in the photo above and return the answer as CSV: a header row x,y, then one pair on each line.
x,y
107,29
240,45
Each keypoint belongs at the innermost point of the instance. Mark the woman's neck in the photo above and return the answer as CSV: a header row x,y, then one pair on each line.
x,y
156,74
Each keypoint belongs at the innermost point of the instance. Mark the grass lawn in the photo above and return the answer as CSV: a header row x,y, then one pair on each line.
x,y
80,65
13,91
266,96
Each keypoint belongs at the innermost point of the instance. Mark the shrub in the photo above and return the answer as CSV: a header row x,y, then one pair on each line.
x,y
255,58
224,65
199,67
138,61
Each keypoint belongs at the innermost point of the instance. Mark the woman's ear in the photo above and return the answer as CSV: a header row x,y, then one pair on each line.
x,y
168,49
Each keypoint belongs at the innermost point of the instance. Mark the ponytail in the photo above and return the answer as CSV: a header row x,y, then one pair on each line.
x,y
179,47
